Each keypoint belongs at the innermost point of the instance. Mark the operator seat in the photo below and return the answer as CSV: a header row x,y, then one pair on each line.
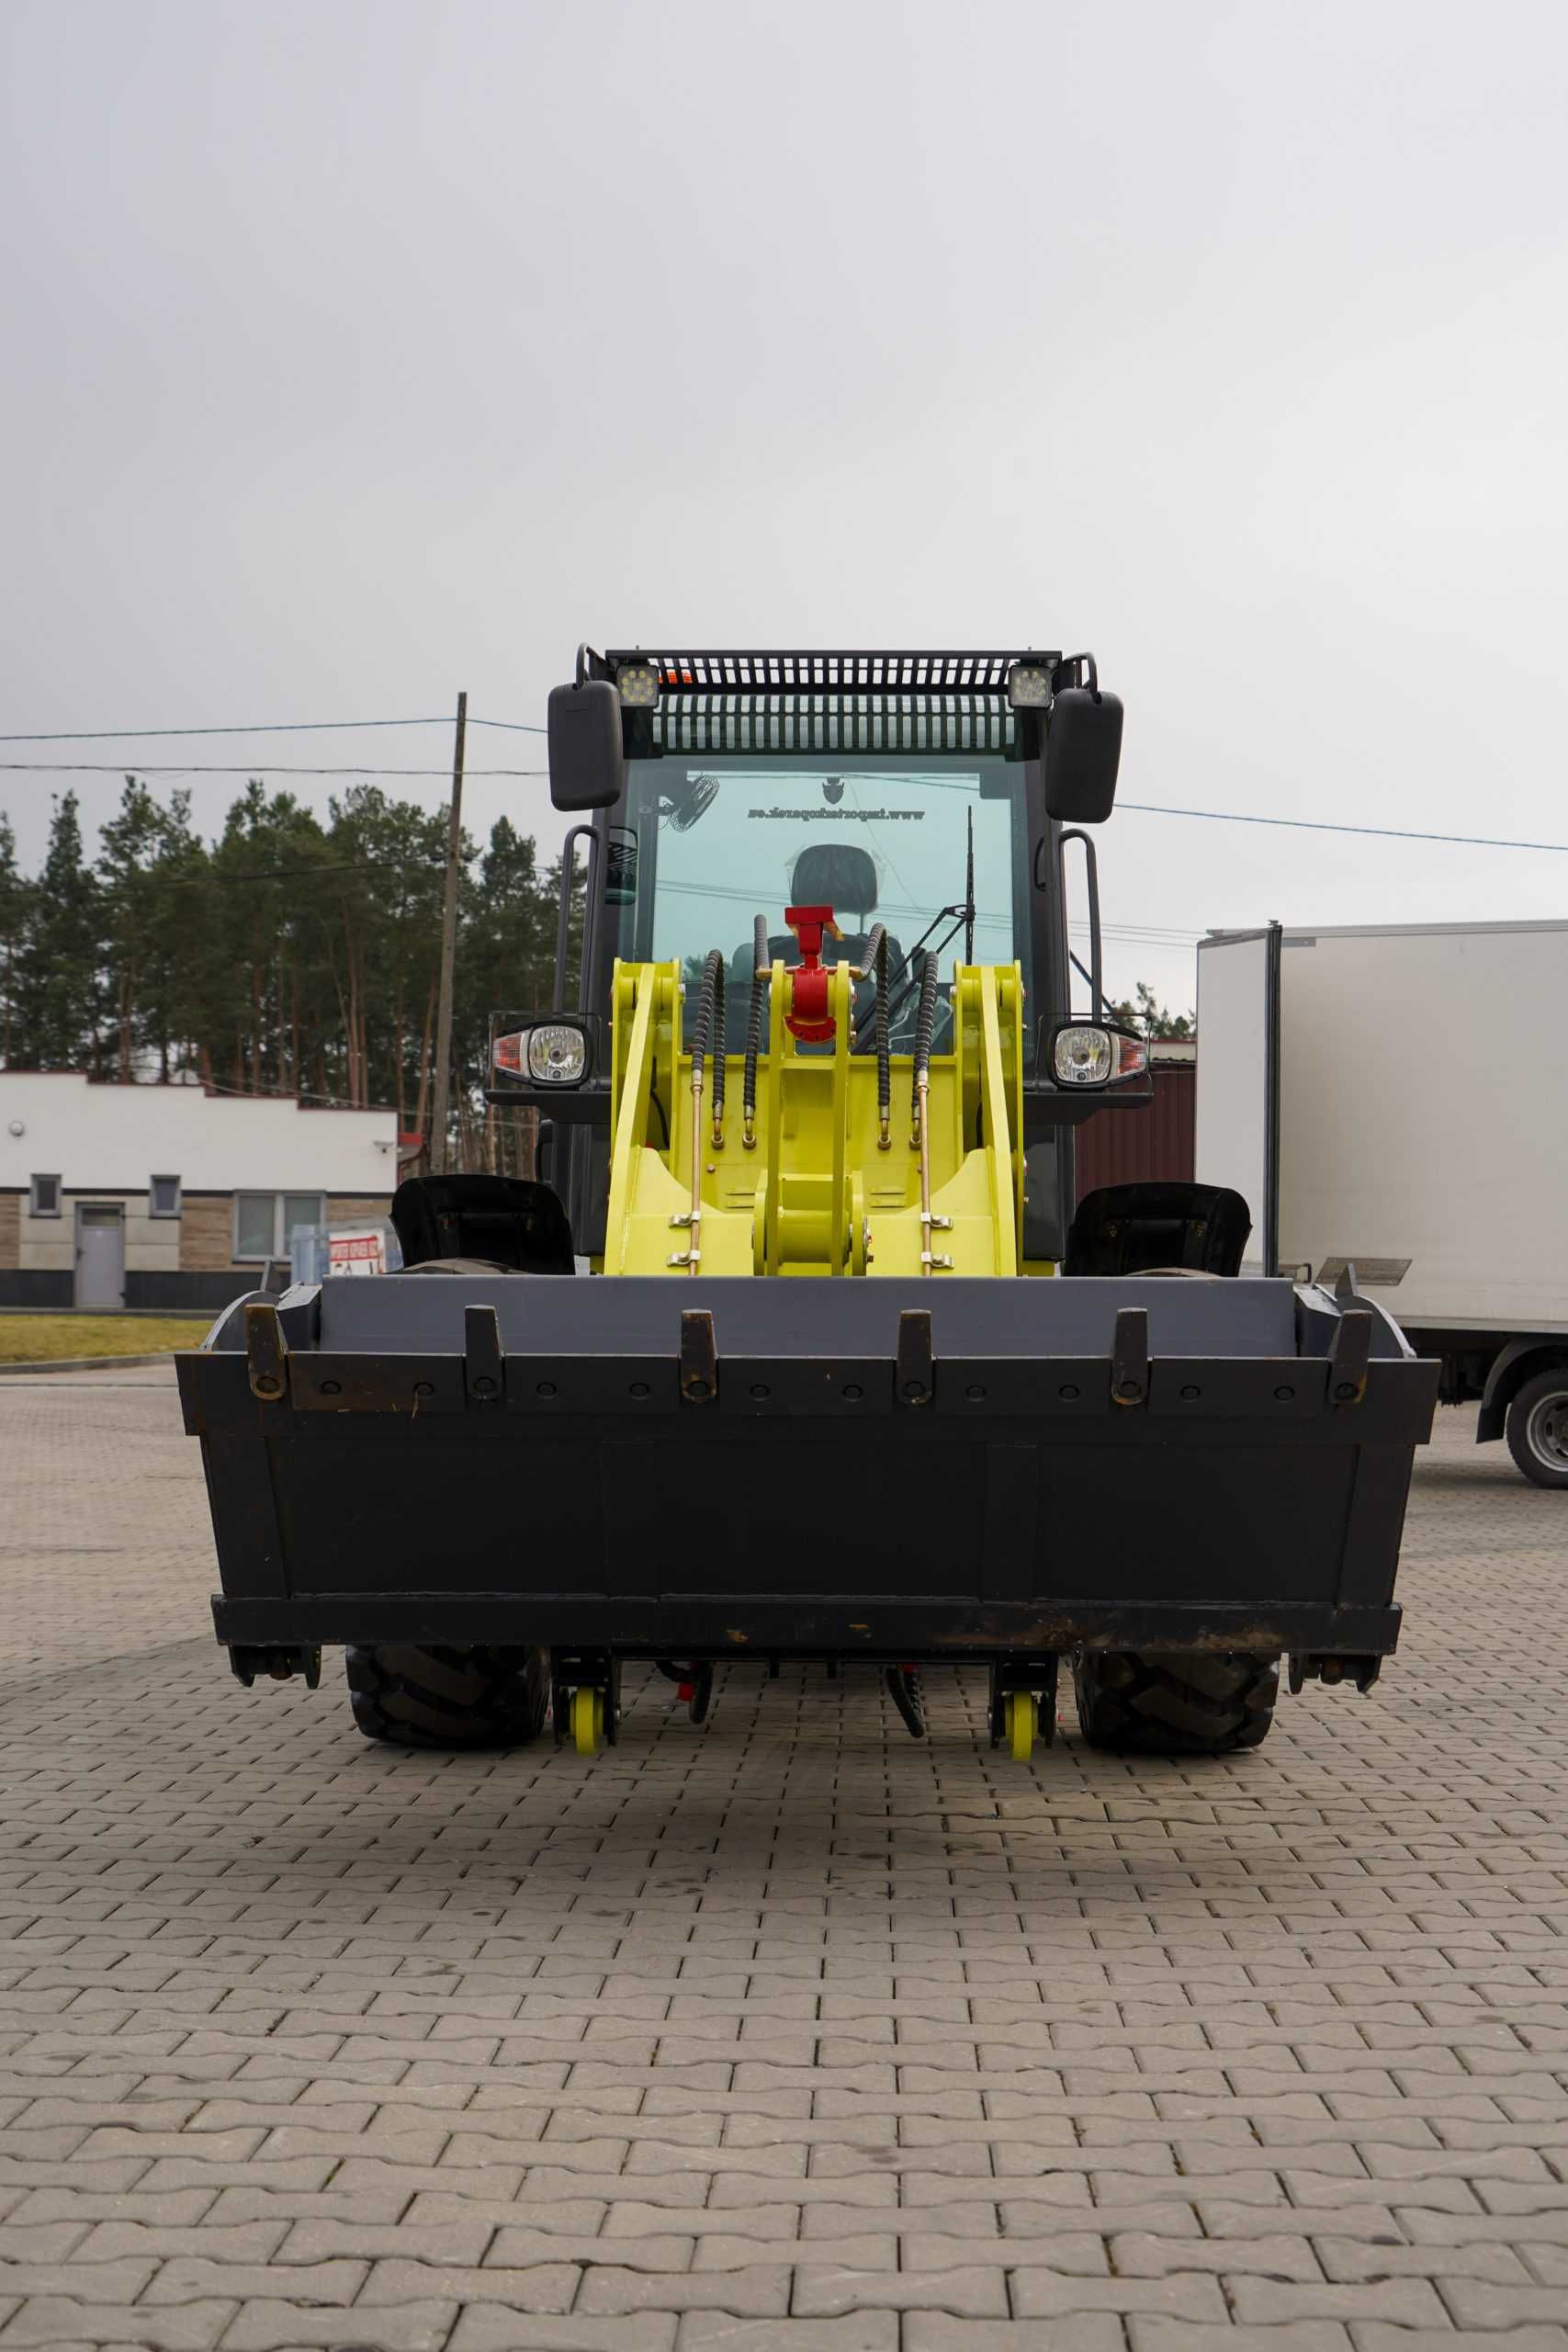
x,y
843,875
840,875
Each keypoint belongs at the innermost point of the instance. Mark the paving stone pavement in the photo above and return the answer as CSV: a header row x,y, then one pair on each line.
x,y
788,2031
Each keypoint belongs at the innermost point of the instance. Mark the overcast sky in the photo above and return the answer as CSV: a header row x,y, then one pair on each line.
x,y
361,350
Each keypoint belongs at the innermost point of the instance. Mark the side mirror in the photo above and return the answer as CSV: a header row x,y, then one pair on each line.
x,y
587,763
1083,750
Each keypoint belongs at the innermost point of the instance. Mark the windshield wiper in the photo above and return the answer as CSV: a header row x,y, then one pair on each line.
x,y
959,915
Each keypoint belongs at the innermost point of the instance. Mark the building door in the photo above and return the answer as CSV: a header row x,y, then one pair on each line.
x,y
100,1254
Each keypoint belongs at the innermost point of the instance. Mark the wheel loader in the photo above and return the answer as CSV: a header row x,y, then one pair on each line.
x,y
797,1346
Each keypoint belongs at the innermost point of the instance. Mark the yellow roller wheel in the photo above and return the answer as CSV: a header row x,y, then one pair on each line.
x,y
588,1721
1021,1718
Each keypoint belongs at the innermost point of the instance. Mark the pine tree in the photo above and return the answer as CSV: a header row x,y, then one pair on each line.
x,y
16,906
178,941
267,997
129,848
291,956
505,952
62,979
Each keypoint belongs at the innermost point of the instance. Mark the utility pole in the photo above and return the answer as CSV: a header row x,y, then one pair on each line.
x,y
440,1108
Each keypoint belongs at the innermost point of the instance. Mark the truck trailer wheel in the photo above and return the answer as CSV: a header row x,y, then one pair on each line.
x,y
449,1698
1537,1427
1175,1703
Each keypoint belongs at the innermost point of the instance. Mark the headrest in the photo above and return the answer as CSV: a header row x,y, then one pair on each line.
x,y
836,874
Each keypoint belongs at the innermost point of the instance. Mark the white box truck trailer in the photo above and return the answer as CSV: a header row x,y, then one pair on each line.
x,y
1390,1102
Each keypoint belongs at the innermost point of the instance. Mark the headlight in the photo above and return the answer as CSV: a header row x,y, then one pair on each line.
x,y
1083,1056
1029,685
637,682
557,1055
554,1054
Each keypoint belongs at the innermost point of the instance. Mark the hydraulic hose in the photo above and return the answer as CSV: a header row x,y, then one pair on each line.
x,y
876,965
710,1003
762,973
925,1022
710,1025
896,966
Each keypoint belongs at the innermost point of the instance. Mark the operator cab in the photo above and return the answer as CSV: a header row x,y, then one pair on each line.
x,y
934,848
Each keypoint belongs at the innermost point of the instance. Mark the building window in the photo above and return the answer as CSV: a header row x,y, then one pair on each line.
x,y
164,1196
256,1224
264,1221
46,1196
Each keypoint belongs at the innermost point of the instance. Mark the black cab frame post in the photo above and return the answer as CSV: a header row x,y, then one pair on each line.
x,y
588,833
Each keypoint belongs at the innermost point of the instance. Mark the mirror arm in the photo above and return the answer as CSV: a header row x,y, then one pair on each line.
x,y
1070,670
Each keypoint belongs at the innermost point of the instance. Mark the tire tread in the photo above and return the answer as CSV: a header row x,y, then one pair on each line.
x,y
412,1696
1175,1703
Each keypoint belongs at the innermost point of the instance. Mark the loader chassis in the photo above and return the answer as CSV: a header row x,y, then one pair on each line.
x,y
820,1397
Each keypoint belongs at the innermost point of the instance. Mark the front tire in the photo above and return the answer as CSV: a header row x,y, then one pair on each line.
x,y
1537,1427
1175,1703
484,1696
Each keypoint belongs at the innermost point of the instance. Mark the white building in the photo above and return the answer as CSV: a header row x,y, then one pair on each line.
x,y
170,1196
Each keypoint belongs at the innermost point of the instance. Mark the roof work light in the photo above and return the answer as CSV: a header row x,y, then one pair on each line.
x,y
637,682
1029,685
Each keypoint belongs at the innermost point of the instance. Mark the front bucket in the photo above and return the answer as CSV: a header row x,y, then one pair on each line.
x,y
903,1469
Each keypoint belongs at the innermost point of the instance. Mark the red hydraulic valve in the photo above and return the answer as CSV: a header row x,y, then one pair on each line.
x,y
809,1017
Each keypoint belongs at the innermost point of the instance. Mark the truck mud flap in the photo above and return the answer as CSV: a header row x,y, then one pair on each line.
x,y
903,1469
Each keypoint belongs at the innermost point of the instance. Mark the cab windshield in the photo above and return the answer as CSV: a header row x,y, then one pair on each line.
x,y
711,842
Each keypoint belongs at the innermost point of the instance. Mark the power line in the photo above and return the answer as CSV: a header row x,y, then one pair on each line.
x,y
1140,807
290,727
1320,825
256,769
310,873
212,872
1140,934
290,1095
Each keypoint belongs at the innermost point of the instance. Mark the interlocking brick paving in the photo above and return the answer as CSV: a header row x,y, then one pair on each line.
x,y
788,2030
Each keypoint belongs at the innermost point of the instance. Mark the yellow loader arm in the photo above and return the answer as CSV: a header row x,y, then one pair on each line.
x,y
816,1191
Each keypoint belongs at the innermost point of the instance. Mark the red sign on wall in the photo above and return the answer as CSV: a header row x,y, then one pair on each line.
x,y
357,1253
